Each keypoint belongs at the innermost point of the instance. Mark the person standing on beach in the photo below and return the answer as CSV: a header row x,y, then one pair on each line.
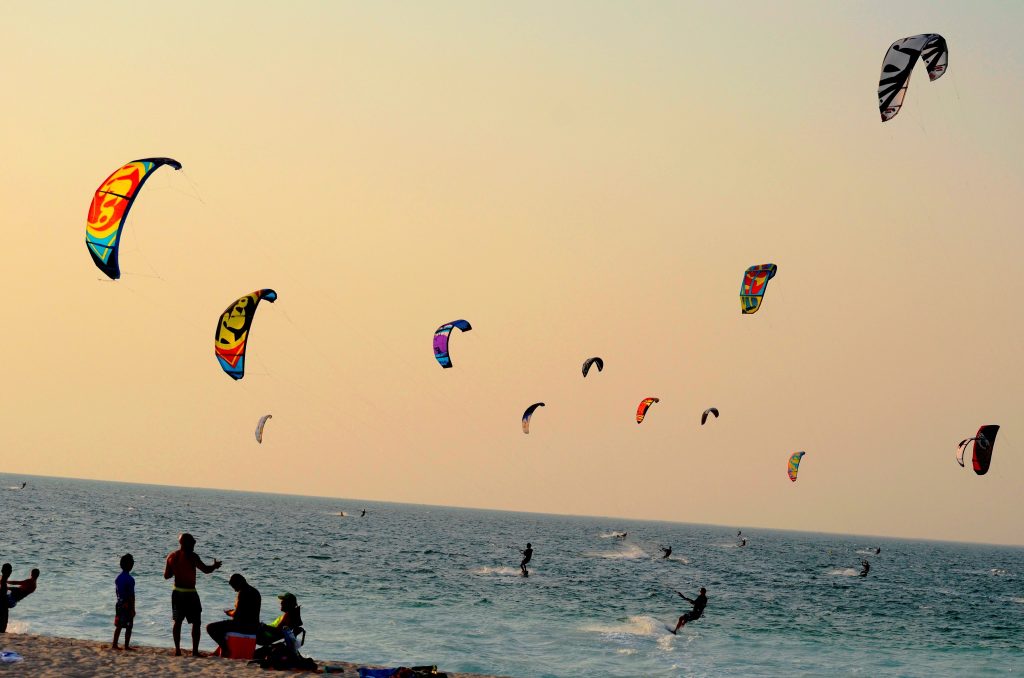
x,y
5,574
185,605
699,603
527,555
124,608
245,617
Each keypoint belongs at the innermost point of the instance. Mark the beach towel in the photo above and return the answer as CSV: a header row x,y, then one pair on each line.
x,y
8,657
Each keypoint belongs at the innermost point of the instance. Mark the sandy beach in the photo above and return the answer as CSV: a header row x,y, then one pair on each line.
x,y
51,657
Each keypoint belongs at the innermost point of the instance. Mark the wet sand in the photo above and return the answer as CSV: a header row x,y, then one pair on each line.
x,y
51,657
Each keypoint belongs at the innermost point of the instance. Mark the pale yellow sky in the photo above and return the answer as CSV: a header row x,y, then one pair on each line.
x,y
575,179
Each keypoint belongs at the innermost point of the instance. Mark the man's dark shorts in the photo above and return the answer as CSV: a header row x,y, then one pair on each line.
x,y
691,616
185,605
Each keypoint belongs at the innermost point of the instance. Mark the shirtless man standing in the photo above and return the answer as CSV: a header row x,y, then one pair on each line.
x,y
185,605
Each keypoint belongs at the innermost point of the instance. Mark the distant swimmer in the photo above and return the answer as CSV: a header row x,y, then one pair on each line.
x,y
527,555
667,551
620,535
866,568
363,514
699,603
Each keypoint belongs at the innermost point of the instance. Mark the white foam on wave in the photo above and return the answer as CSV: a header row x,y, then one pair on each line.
x,y
18,627
499,571
845,572
865,552
1019,601
627,552
679,559
637,625
626,650
613,535
997,572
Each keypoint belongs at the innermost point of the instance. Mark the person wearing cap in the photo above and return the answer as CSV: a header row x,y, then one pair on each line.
x,y
185,605
245,617
286,624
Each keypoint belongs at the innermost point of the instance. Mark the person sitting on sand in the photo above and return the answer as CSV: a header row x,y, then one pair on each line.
x,y
185,604
699,603
124,608
666,551
285,626
867,566
22,589
5,573
527,555
245,616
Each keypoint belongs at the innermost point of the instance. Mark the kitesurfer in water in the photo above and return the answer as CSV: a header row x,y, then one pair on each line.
x,y
699,603
363,514
878,549
866,568
666,551
527,555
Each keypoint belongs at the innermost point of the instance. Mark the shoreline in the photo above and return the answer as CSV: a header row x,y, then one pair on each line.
x,y
58,657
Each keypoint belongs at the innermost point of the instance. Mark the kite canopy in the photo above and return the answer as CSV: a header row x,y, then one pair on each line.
x,y
899,64
752,289
984,443
259,427
597,362
641,410
528,414
109,208
233,331
441,335
710,410
794,465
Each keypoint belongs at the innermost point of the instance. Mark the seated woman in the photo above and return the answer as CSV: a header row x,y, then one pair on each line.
x,y
285,626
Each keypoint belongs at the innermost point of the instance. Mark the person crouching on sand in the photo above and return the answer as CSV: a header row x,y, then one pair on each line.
x,y
21,589
5,573
185,605
124,608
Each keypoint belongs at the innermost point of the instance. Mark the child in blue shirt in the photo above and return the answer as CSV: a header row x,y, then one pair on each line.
x,y
124,609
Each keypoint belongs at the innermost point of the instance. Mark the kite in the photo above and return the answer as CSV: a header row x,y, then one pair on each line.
x,y
441,340
233,331
755,282
899,64
794,465
259,426
109,211
592,361
641,410
981,456
710,410
528,414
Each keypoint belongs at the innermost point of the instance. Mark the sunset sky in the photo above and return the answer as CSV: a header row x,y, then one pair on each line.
x,y
575,179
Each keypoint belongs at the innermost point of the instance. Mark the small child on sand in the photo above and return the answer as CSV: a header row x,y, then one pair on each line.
x,y
124,608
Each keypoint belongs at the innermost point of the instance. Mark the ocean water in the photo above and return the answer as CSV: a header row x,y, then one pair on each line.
x,y
414,584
